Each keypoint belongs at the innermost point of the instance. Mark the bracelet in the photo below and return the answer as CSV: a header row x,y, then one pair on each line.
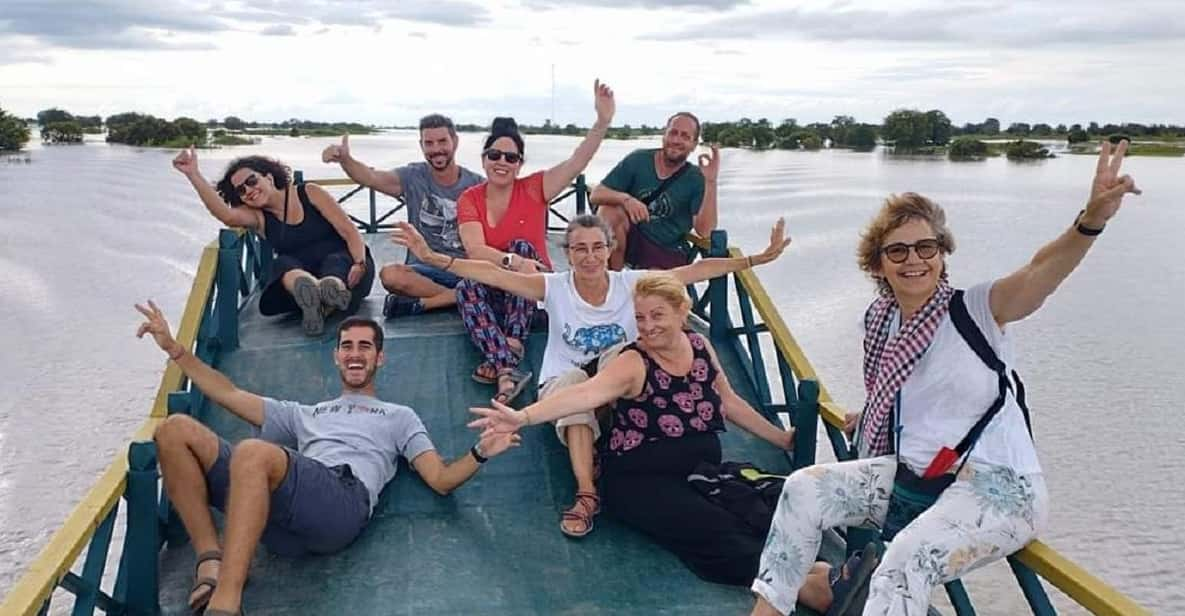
x,y
477,456
750,260
527,414
450,262
178,354
361,264
1085,230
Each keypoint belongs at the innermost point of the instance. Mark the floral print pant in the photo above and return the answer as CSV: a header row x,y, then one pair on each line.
x,y
988,513
492,315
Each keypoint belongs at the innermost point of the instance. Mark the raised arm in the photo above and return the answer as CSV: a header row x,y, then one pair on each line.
x,y
706,269
211,382
446,477
619,378
186,162
530,286
386,182
1021,293
740,413
333,212
556,179
706,220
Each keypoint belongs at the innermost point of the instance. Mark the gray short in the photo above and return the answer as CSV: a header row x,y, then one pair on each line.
x,y
316,509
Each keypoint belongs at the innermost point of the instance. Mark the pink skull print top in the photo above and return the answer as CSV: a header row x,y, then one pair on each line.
x,y
669,406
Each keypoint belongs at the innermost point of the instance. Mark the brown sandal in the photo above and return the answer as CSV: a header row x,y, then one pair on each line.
x,y
197,605
510,384
581,511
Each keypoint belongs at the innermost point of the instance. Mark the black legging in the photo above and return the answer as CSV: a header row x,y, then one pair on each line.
x,y
647,489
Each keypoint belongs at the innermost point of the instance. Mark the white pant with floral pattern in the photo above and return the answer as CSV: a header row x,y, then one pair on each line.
x,y
988,513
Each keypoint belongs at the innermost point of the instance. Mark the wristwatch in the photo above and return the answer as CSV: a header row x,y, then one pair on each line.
x,y
476,452
508,260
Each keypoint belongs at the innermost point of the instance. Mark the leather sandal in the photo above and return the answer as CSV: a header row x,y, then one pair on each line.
x,y
197,605
586,507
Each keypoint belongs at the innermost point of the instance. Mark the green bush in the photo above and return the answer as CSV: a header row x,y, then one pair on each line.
x,y
69,131
967,148
14,133
1026,150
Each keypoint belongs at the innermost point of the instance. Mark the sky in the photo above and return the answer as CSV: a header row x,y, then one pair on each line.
x,y
388,62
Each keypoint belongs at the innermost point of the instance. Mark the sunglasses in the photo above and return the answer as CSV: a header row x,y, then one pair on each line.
x,y
251,182
899,252
495,155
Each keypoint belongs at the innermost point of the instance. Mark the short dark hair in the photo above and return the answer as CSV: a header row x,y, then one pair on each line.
x,y
362,322
258,164
588,221
436,120
689,116
505,127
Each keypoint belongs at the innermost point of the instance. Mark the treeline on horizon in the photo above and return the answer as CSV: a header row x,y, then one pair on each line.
x,y
905,130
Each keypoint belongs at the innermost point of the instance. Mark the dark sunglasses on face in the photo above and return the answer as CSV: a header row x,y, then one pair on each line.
x,y
251,182
899,252
495,155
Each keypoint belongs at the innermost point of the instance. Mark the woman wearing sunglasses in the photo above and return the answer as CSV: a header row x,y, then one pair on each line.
x,y
321,265
947,468
504,221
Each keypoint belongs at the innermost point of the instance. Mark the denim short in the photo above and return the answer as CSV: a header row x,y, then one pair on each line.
x,y
445,279
315,510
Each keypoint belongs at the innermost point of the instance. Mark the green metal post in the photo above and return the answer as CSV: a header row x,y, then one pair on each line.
x,y
298,176
1031,586
959,599
760,380
141,546
719,324
582,196
373,227
96,561
806,423
230,256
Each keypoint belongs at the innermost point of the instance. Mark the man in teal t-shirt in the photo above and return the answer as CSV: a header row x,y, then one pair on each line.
x,y
649,225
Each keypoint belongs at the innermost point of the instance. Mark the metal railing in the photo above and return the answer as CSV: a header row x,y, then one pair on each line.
x,y
235,265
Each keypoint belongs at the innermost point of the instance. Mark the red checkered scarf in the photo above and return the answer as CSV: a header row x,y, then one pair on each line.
x,y
888,361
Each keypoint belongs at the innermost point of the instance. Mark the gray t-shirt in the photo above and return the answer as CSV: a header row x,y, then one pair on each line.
x,y
364,432
432,208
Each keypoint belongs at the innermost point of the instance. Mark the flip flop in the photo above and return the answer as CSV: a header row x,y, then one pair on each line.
x,y
582,513
308,298
519,379
334,294
849,594
198,605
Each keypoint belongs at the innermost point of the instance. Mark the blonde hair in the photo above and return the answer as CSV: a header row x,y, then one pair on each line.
x,y
665,286
896,211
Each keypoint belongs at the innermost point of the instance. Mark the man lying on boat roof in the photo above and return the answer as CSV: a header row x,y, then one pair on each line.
x,y
654,197
309,483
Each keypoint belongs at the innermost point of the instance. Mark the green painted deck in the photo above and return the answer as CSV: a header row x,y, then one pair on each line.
x,y
493,546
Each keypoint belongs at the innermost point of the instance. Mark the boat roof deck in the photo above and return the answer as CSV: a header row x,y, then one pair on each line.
x,y
491,547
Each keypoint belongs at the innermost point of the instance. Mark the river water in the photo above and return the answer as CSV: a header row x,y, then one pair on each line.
x,y
85,231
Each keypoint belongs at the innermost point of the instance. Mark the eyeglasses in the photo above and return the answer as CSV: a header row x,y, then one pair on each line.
x,y
251,182
495,155
585,249
899,252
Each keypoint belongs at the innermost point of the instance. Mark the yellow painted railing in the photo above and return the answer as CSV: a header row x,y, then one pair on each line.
x,y
1087,590
63,549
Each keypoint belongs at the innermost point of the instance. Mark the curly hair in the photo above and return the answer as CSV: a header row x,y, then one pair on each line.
x,y
896,211
260,164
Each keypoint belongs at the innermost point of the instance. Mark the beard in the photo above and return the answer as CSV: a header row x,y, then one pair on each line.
x,y
674,159
366,380
435,161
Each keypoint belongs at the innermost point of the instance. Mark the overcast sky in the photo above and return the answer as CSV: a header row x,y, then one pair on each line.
x,y
391,61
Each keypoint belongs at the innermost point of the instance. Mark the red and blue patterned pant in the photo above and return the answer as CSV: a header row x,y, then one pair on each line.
x,y
492,315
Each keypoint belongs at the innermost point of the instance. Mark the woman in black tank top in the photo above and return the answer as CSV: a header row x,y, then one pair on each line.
x,y
321,265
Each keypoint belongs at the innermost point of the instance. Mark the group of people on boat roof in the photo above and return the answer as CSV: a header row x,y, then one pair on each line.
x,y
946,466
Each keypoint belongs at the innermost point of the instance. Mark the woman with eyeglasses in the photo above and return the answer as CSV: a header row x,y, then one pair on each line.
x,y
590,317
947,467
504,221
321,265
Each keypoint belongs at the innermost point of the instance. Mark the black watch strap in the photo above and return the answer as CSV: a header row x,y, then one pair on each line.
x,y
1085,230
477,455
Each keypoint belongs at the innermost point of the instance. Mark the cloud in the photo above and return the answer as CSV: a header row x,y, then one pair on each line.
x,y
278,30
984,24
711,5
143,24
